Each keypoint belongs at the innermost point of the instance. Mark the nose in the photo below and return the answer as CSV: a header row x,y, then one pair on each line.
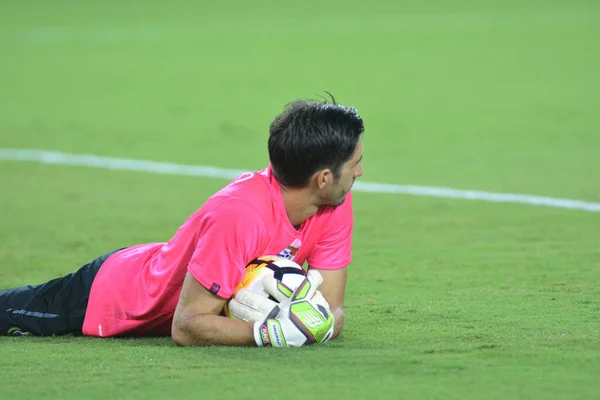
x,y
359,171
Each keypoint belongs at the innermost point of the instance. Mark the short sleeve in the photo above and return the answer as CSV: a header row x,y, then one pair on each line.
x,y
230,236
333,249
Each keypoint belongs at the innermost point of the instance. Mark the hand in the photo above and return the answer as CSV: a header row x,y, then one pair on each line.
x,y
249,306
302,316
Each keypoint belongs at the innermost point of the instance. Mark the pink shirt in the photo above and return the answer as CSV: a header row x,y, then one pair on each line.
x,y
136,290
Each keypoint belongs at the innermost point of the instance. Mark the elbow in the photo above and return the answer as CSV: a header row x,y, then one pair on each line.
x,y
337,330
179,335
183,334
338,325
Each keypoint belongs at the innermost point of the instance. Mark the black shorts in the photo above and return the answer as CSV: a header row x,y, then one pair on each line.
x,y
56,307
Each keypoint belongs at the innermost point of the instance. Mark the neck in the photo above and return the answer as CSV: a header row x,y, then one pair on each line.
x,y
299,204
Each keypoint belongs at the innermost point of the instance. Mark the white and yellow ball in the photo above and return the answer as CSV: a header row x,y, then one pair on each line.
x,y
282,269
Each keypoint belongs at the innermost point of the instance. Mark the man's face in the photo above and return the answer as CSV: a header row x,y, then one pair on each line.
x,y
351,170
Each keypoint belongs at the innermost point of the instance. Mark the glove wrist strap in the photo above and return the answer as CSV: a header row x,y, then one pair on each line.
x,y
260,329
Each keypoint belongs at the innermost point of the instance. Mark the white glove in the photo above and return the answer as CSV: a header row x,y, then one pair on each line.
x,y
298,319
249,306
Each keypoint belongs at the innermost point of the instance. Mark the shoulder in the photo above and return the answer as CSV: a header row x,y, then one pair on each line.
x,y
247,197
233,210
255,190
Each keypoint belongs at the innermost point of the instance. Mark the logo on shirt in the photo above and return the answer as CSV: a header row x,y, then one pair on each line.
x,y
244,177
291,251
215,288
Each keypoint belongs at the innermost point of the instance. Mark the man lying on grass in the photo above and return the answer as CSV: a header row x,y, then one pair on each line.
x,y
179,288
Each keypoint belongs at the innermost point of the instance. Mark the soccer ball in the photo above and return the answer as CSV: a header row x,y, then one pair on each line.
x,y
282,269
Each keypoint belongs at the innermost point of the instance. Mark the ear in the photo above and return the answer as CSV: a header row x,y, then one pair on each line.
x,y
323,178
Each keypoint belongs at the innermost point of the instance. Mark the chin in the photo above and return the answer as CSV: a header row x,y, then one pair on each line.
x,y
338,202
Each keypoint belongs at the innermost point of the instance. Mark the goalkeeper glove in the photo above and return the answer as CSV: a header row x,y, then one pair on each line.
x,y
299,318
250,307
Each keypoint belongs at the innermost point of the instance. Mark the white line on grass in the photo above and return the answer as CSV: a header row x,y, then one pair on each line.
x,y
51,157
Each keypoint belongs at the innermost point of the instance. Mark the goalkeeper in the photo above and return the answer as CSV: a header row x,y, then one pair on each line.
x,y
299,207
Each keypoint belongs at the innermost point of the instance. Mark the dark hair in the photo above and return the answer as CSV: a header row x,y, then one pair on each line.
x,y
311,135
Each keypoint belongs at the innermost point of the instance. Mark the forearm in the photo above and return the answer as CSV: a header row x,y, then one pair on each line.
x,y
208,329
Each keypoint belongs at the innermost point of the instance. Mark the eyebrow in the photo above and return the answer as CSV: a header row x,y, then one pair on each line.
x,y
359,160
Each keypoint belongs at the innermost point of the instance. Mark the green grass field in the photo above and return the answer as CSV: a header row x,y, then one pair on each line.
x,y
447,298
